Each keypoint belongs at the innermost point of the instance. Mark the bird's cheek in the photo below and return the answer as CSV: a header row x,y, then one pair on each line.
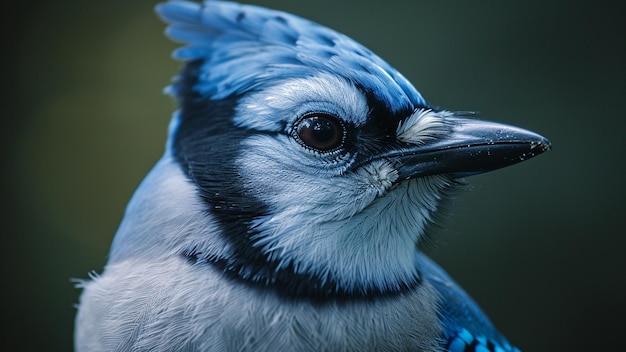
x,y
379,175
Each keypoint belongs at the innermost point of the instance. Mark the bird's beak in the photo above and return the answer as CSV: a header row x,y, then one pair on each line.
x,y
472,147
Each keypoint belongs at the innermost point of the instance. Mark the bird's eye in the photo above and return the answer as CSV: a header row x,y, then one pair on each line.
x,y
320,131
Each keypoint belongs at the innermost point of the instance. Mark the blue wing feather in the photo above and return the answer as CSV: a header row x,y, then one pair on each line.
x,y
466,328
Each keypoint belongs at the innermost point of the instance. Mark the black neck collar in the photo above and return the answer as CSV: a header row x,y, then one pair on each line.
x,y
287,283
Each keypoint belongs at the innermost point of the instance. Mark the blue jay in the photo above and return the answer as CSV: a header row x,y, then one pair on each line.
x,y
301,174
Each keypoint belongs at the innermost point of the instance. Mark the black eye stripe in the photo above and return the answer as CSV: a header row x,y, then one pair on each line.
x,y
322,132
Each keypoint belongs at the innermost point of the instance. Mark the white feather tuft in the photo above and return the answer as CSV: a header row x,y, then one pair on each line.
x,y
422,126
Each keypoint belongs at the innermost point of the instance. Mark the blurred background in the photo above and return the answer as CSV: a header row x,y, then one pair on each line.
x,y
539,245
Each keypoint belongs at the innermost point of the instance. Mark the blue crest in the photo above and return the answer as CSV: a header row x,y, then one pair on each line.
x,y
243,47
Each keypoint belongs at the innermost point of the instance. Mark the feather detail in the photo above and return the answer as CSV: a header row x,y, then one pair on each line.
x,y
244,46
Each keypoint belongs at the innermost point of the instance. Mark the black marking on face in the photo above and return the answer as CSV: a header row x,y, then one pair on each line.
x,y
379,133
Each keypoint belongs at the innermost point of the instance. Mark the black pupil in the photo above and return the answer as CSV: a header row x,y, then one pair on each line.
x,y
320,132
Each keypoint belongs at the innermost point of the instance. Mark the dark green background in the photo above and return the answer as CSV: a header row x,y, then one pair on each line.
x,y
539,245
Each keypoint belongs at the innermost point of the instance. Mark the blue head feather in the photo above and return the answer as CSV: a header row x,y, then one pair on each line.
x,y
244,46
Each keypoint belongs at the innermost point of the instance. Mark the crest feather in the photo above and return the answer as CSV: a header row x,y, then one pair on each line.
x,y
245,46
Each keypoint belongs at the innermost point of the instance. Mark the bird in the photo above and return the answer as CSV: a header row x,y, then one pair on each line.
x,y
301,177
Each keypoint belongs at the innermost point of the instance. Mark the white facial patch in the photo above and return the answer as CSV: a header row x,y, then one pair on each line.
x,y
359,228
379,175
271,108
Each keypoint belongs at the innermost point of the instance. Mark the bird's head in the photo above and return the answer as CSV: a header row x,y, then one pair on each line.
x,y
320,165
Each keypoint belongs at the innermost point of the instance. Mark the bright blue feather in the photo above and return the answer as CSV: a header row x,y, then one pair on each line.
x,y
247,46
466,327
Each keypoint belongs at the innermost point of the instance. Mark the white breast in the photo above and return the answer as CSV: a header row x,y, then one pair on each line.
x,y
172,305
